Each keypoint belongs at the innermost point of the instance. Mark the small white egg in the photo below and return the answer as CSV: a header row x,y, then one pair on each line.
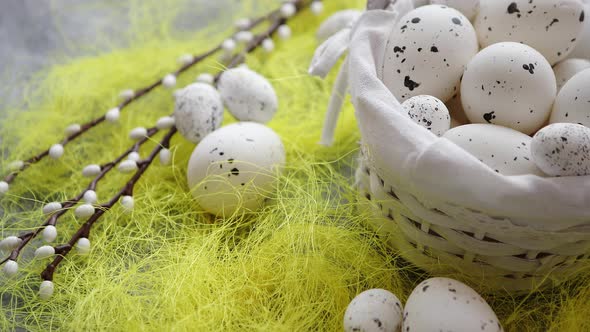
x,y
284,32
198,111
44,252
73,129
84,211
113,114
46,290
51,207
567,69
4,187
242,23
268,45
511,85
504,150
205,78
169,81
562,149
427,52
337,22
83,246
138,133
572,104
429,112
582,48
287,10
10,268
228,45
244,37
317,7
374,310
127,166
56,151
49,233
127,94
165,157
549,26
165,122
91,170
248,95
90,197
469,8
234,168
185,59
442,304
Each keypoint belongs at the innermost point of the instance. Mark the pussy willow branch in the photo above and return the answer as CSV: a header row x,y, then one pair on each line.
x,y
127,189
84,128
52,220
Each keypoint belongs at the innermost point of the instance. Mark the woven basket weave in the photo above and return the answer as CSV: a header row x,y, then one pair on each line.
x,y
444,210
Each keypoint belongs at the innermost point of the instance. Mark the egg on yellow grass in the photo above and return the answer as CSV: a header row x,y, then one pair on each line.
x,y
233,169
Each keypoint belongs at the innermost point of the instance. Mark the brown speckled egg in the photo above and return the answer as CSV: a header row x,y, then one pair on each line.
x,y
198,111
562,149
511,85
443,304
550,26
427,52
572,104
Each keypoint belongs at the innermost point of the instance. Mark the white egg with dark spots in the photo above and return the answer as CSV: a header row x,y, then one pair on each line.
x,y
562,149
549,26
427,52
429,112
504,150
233,169
337,22
198,111
375,310
248,95
572,104
443,304
582,48
469,8
511,85
567,69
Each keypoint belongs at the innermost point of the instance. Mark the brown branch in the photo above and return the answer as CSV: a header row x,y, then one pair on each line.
x,y
127,189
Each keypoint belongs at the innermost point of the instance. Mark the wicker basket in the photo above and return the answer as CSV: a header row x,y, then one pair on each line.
x,y
443,209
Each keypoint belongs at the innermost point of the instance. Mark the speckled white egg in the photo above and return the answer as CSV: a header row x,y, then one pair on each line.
x,y
562,149
509,84
337,22
504,150
549,26
429,112
582,48
427,52
567,69
443,304
375,310
572,104
198,111
468,8
248,95
234,168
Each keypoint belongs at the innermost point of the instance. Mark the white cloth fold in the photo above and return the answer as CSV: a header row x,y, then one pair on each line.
x,y
436,170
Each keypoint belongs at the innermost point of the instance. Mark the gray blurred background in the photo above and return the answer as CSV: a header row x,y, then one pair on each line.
x,y
36,33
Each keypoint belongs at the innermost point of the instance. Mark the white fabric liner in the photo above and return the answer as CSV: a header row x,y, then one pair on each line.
x,y
434,169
